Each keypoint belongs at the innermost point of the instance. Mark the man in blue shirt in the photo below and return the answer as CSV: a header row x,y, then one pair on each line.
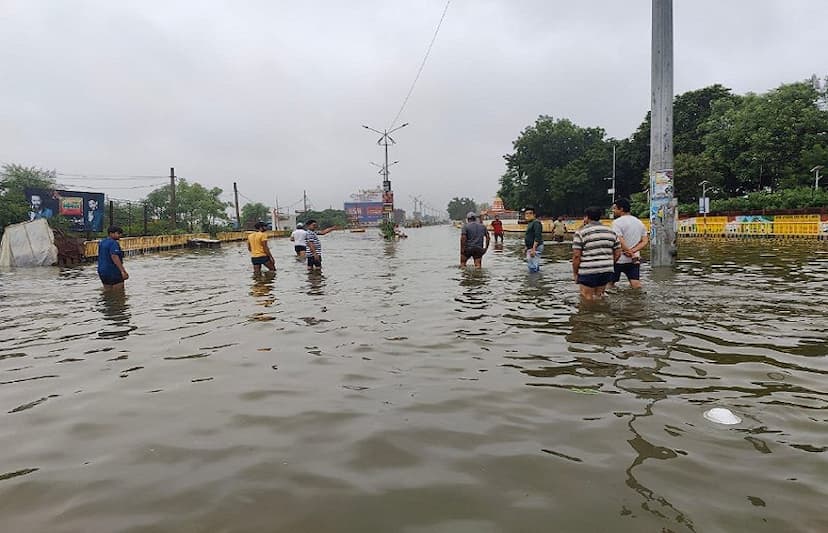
x,y
111,260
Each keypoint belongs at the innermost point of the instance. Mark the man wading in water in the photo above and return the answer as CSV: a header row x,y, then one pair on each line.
x,y
471,241
533,240
497,228
259,252
314,244
595,249
111,260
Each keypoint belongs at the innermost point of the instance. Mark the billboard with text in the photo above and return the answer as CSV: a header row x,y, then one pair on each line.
x,y
84,211
365,213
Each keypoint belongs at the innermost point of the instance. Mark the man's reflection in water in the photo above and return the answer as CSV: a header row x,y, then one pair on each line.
x,y
606,322
316,283
262,288
475,283
115,309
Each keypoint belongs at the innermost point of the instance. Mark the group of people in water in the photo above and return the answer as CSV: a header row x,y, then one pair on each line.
x,y
600,254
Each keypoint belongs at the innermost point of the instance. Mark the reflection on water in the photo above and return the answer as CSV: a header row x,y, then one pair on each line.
x,y
262,288
316,283
114,306
410,395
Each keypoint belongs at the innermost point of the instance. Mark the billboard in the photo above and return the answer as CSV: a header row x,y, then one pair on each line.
x,y
83,210
367,196
365,213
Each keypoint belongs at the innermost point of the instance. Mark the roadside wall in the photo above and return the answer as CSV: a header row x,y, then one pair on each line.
x,y
154,243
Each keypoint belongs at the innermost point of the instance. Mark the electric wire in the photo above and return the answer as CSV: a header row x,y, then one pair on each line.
x,y
422,66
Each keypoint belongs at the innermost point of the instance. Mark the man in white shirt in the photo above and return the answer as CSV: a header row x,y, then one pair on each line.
x,y
633,236
299,240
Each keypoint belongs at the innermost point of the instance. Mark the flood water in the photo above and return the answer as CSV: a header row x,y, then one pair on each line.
x,y
396,392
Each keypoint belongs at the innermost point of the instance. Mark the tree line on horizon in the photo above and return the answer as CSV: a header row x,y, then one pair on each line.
x,y
198,208
755,145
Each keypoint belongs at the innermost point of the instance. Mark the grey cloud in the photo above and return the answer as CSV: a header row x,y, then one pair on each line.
x,y
272,94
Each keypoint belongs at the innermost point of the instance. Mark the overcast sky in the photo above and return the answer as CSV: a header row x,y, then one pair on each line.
x,y
273,94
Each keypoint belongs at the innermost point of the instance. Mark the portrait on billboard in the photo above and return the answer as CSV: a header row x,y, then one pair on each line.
x,y
93,219
82,210
41,203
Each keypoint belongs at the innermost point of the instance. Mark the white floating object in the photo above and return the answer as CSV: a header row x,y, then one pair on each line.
x,y
720,415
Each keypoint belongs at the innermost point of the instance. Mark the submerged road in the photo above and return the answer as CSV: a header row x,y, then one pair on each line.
x,y
396,392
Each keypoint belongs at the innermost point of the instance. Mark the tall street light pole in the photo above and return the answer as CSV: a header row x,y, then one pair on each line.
x,y
817,177
385,140
382,167
612,190
662,203
704,205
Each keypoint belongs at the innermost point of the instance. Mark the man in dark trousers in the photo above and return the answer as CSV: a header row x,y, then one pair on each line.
x,y
595,249
497,229
111,260
533,239
472,238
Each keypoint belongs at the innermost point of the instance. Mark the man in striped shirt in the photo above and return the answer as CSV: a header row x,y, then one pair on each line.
x,y
595,249
314,252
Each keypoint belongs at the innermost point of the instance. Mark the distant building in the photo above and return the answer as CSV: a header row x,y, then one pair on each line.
x,y
399,216
499,209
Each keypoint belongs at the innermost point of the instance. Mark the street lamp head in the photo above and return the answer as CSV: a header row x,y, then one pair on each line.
x,y
818,167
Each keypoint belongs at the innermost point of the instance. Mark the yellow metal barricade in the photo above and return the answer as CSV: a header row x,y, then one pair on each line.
x,y
711,225
796,225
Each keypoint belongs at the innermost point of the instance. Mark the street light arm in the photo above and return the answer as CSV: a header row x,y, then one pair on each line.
x,y
401,126
372,129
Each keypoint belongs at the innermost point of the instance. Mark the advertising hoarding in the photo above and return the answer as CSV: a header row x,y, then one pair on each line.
x,y
365,213
83,210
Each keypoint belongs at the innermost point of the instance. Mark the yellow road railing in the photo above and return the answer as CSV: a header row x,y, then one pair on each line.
x,y
152,243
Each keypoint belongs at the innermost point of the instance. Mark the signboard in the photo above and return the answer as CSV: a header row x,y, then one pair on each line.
x,y
704,205
83,210
367,196
365,213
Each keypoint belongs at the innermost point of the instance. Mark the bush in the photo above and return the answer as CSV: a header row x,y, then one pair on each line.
x,y
799,198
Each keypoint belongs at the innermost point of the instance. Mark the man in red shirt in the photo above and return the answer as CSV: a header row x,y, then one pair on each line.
x,y
497,228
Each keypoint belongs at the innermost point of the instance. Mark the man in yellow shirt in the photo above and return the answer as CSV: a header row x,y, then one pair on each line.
x,y
259,252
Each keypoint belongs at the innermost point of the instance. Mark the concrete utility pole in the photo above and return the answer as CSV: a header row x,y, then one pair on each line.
x,y
172,199
236,198
817,177
663,219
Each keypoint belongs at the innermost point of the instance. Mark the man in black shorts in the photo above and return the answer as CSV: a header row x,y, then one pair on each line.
x,y
472,238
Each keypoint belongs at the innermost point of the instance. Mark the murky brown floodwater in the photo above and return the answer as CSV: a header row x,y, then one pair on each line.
x,y
398,393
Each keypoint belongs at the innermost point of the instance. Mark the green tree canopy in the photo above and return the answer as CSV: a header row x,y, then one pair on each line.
x,y
254,212
737,143
459,207
759,141
14,179
557,167
197,207
327,218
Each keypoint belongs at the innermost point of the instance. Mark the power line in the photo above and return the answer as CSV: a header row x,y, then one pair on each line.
x,y
117,187
65,178
422,66
110,176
